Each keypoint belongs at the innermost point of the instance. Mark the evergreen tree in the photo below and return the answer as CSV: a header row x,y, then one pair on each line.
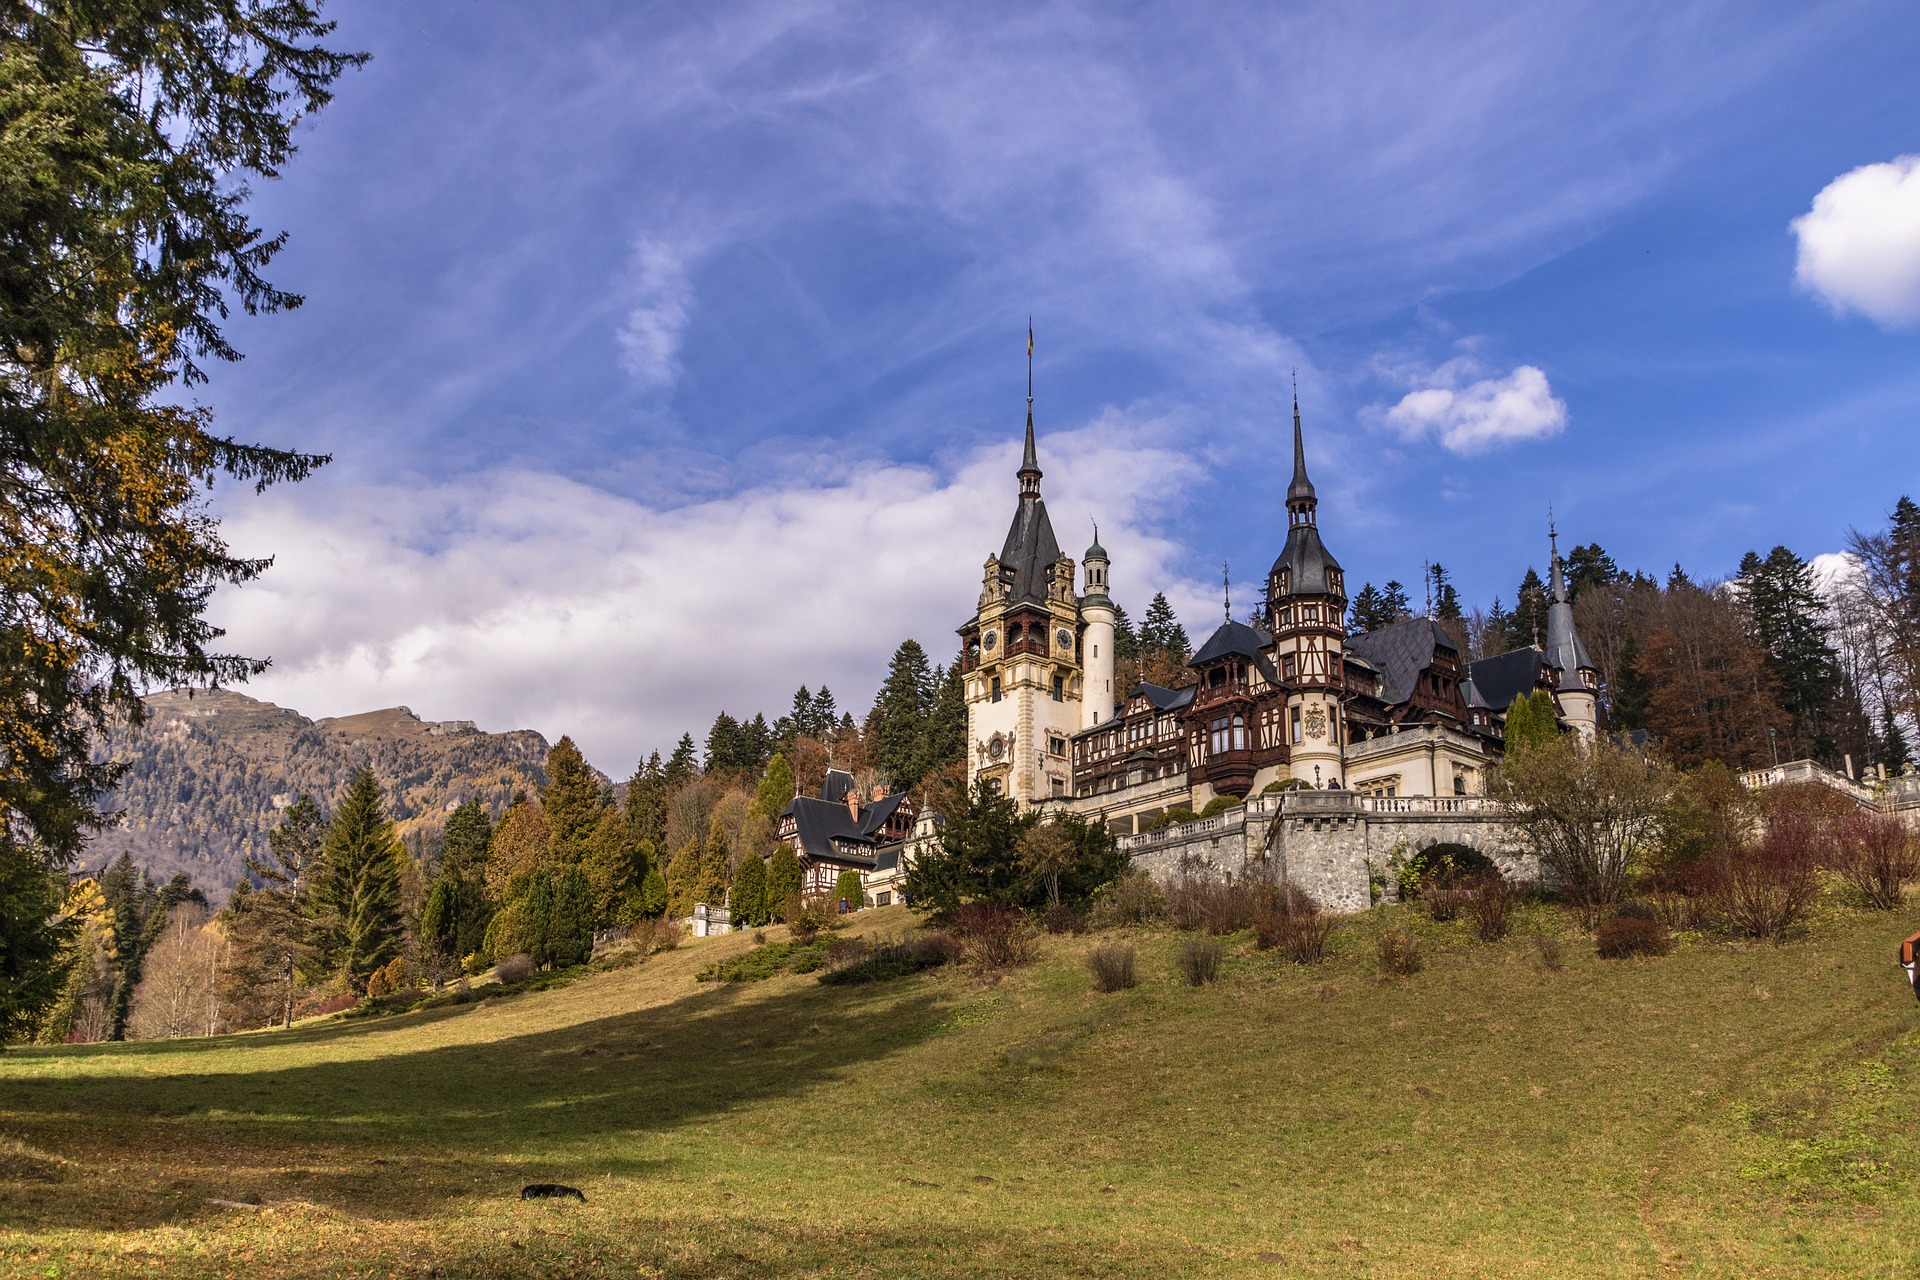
x,y
275,936
1395,603
520,845
978,857
1161,632
897,730
723,744
826,715
572,801
526,925
570,923
946,740
131,898
463,846
684,764
1446,600
1894,752
710,884
438,933
653,894
1126,641
1630,693
1789,620
1531,722
1590,566
749,894
359,883
36,959
846,889
775,792
1370,611
616,866
683,880
783,880
646,809
1527,624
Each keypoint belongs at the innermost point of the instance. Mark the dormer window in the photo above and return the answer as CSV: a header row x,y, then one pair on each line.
x,y
1286,616
1309,613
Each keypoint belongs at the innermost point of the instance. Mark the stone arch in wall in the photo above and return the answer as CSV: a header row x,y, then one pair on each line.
x,y
1467,860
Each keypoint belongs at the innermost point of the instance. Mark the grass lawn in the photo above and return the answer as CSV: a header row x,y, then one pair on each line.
x,y
1722,1111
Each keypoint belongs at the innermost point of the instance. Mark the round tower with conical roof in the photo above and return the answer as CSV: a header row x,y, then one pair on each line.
x,y
1576,679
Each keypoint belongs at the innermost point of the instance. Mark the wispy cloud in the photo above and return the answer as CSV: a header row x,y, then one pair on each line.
x,y
1472,417
1860,243
662,306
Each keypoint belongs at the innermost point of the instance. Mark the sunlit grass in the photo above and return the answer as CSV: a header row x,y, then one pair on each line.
x,y
1723,1111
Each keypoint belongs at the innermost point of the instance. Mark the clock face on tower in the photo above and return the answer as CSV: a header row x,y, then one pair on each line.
x,y
1065,637
989,640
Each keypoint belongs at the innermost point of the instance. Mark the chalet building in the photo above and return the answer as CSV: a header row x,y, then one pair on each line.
x,y
1292,701
835,832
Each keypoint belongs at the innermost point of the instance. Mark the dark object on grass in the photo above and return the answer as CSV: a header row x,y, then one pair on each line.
x,y
1910,961
1200,960
1631,935
1112,965
551,1191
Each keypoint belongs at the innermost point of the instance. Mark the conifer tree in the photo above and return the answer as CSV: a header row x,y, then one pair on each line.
x,y
464,843
1894,752
1789,620
1370,611
570,923
646,810
1527,625
519,846
710,886
1531,722
775,792
359,883
616,867
946,738
847,889
274,937
749,894
1126,641
35,958
826,714
783,880
572,801
683,880
684,764
897,730
1394,603
132,899
1590,566
1631,695
653,893
1161,632
1446,600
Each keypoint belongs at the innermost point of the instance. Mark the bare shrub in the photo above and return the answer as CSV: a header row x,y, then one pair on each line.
x,y
844,953
1200,960
1876,855
1188,900
1400,952
1766,889
1292,922
807,915
1134,898
1444,902
1632,932
1490,902
931,950
1588,810
1064,917
1199,903
1548,950
994,936
669,934
515,968
1112,966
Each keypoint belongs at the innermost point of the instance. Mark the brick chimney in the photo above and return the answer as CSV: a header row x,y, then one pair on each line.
x,y
853,802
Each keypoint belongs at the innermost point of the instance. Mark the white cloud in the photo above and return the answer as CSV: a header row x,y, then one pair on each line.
x,y
1860,243
663,305
524,599
1481,415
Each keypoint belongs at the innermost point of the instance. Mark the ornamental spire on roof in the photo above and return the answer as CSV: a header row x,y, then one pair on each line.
x,y
1030,462
1300,496
1564,648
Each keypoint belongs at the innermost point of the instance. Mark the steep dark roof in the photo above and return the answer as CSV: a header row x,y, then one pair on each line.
x,y
1400,653
838,783
1163,699
1238,639
875,815
1564,649
1305,558
886,859
1027,557
1498,680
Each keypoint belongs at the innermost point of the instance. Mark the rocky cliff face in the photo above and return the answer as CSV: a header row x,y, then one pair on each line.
x,y
210,771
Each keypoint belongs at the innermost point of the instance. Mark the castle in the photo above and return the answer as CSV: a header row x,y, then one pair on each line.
x,y
1292,703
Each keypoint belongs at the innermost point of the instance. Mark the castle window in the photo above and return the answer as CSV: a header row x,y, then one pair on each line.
x,y
1286,616
996,688
1056,746
1228,733
1310,613
1289,666
1059,688
1059,786
1296,725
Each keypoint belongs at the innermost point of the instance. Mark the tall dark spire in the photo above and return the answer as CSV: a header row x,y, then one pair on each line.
x,y
1301,501
1030,462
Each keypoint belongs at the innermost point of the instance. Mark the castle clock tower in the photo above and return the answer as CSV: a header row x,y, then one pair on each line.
x,y
1021,656
1307,605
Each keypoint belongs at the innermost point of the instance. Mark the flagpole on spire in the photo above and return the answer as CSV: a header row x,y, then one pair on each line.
x,y
1029,364
1226,590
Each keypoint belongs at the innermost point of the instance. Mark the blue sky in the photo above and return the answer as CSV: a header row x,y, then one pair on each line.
x,y
673,356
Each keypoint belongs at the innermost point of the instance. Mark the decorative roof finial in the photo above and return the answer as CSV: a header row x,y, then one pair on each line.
x,y
1301,490
1226,590
1029,472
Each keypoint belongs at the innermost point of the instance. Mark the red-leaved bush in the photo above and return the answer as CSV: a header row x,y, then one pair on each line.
x,y
994,936
1877,855
1765,889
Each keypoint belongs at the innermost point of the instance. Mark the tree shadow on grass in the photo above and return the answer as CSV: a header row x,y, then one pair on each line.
x,y
399,1135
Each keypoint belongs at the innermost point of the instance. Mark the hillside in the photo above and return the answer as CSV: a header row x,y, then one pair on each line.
x,y
209,773
1725,1111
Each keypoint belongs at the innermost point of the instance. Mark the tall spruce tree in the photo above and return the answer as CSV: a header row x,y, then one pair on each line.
x,y
684,764
1590,566
1161,632
897,730
573,800
1395,604
1126,641
570,922
1446,600
775,792
783,880
131,131
1789,620
276,934
646,806
1370,611
1527,624
359,883
946,739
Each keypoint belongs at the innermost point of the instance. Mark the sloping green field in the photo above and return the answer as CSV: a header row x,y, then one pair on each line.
x,y
1723,1111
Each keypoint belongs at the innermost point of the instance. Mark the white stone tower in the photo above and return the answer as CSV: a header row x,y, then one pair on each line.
x,y
1307,606
1098,697
1577,689
1021,656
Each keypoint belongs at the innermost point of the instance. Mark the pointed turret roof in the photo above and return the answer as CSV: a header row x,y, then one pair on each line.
x,y
1564,650
1301,490
1305,557
1027,558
